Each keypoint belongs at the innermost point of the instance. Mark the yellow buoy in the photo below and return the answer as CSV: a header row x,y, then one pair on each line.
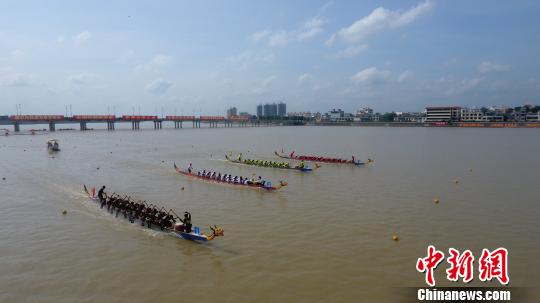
x,y
64,212
436,200
395,238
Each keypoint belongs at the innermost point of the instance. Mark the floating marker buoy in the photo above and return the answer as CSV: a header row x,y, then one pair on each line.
x,y
470,169
4,178
64,212
97,168
395,238
436,201
111,152
182,188
456,181
162,161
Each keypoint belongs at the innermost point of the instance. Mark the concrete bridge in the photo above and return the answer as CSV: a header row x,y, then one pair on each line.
x,y
135,120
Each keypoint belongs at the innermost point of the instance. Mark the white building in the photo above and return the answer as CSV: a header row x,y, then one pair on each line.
x,y
470,115
443,113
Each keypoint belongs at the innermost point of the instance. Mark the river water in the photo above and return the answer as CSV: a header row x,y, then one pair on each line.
x,y
327,237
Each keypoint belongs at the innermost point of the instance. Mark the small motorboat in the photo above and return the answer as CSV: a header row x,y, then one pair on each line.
x,y
52,145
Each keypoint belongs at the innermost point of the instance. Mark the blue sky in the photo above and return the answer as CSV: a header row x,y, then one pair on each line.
x,y
200,57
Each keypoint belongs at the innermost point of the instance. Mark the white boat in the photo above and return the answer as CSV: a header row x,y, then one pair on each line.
x,y
52,145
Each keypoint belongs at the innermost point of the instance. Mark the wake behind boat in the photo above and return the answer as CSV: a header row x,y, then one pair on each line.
x,y
272,164
216,177
353,160
150,215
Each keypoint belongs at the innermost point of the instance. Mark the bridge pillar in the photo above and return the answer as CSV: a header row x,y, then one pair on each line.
x,y
52,127
16,127
83,126
111,125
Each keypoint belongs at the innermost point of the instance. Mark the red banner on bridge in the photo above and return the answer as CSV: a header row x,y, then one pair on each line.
x,y
139,118
180,118
36,117
94,117
212,118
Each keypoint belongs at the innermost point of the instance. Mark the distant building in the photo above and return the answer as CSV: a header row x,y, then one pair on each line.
x,y
336,114
443,114
282,109
364,111
471,115
232,112
409,117
259,110
364,114
270,110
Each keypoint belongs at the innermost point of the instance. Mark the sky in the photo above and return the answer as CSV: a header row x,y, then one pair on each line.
x,y
202,57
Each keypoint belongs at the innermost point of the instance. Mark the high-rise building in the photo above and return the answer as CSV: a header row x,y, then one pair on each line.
x,y
282,109
270,110
232,112
259,110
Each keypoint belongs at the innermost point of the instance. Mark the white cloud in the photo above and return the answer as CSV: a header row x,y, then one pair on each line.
x,y
161,60
371,75
279,38
464,86
156,62
60,39
249,58
308,30
126,57
16,80
260,35
488,66
305,78
350,52
404,76
262,87
81,37
378,20
82,78
158,86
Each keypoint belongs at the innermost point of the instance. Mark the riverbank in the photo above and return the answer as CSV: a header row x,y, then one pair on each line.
x,y
437,124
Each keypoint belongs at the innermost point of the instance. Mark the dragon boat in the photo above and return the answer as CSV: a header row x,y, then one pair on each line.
x,y
175,229
352,161
305,168
266,185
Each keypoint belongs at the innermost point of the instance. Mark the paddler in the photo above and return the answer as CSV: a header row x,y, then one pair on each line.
x,y
190,167
101,194
187,222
